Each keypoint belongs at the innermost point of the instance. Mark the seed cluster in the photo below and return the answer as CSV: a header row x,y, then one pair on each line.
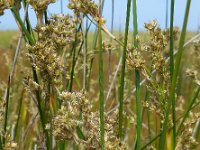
x,y
135,59
76,111
2,8
53,38
187,140
39,5
153,52
6,4
87,7
67,119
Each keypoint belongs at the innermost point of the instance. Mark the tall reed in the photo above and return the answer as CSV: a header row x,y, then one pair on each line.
x,y
123,67
137,75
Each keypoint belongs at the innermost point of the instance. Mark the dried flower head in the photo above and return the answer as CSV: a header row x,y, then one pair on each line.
x,y
2,8
186,139
68,117
151,26
39,5
6,4
87,7
47,61
135,59
61,30
53,38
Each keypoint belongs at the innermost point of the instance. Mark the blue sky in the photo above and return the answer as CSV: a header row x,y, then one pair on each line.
x,y
147,11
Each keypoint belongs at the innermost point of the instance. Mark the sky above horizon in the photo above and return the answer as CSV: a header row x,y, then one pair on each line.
x,y
147,11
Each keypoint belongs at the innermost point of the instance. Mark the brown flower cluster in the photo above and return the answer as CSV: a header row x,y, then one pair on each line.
x,y
87,7
6,4
68,118
135,59
76,111
186,140
153,52
2,8
39,5
53,38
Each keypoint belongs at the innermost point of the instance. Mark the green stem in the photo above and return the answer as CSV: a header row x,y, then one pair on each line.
x,y
101,80
101,87
172,68
121,90
137,74
19,113
27,34
172,39
6,108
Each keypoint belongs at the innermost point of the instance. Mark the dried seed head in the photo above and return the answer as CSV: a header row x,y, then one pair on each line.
x,y
151,26
87,7
39,5
68,117
135,59
2,7
6,4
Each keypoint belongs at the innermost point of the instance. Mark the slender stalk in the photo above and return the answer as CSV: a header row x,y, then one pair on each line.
x,y
19,113
137,74
150,142
101,80
109,53
73,51
27,34
84,55
121,90
172,39
6,108
172,66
